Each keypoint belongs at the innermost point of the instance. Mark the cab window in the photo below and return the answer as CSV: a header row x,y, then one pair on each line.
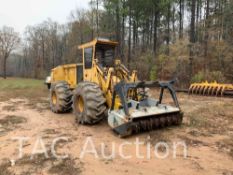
x,y
88,53
105,54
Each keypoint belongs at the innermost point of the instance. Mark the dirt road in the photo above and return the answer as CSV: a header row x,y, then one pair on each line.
x,y
207,130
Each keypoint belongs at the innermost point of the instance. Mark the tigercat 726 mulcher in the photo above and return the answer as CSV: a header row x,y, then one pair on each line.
x,y
103,87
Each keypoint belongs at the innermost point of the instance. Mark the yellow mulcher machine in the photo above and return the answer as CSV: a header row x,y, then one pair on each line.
x,y
102,87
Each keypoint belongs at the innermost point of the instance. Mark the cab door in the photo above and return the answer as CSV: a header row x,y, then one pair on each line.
x,y
88,56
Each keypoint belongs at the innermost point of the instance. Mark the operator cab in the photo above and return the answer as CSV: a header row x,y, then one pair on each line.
x,y
102,50
105,54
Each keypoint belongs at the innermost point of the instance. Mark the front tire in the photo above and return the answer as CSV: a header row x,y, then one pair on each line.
x,y
89,103
60,97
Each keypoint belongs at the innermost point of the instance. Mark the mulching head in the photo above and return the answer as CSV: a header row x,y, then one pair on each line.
x,y
146,114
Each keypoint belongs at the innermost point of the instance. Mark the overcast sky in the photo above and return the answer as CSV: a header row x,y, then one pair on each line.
x,y
20,13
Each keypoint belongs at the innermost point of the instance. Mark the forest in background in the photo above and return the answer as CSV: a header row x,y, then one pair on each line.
x,y
191,40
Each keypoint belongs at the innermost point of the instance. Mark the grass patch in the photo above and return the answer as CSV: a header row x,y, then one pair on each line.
x,y
39,104
192,142
20,83
10,122
211,125
162,135
197,133
198,121
226,146
32,166
66,166
39,162
213,118
50,131
4,168
22,88
30,94
8,108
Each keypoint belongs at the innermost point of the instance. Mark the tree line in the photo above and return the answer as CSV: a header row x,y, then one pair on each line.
x,y
163,39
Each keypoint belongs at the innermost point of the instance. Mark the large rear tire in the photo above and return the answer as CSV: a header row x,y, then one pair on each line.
x,y
89,103
60,97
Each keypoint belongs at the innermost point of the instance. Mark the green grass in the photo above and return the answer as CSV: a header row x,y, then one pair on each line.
x,y
20,83
22,88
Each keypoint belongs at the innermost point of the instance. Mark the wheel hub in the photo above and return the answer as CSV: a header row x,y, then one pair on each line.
x,y
80,104
54,98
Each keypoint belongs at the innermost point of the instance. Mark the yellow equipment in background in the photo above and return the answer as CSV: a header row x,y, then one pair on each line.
x,y
101,86
211,89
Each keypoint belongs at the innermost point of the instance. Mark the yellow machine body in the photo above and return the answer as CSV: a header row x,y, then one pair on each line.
x,y
106,82
65,73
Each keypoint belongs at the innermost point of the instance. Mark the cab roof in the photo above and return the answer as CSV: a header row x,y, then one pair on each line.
x,y
98,41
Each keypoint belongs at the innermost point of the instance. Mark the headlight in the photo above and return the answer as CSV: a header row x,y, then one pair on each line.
x,y
48,80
